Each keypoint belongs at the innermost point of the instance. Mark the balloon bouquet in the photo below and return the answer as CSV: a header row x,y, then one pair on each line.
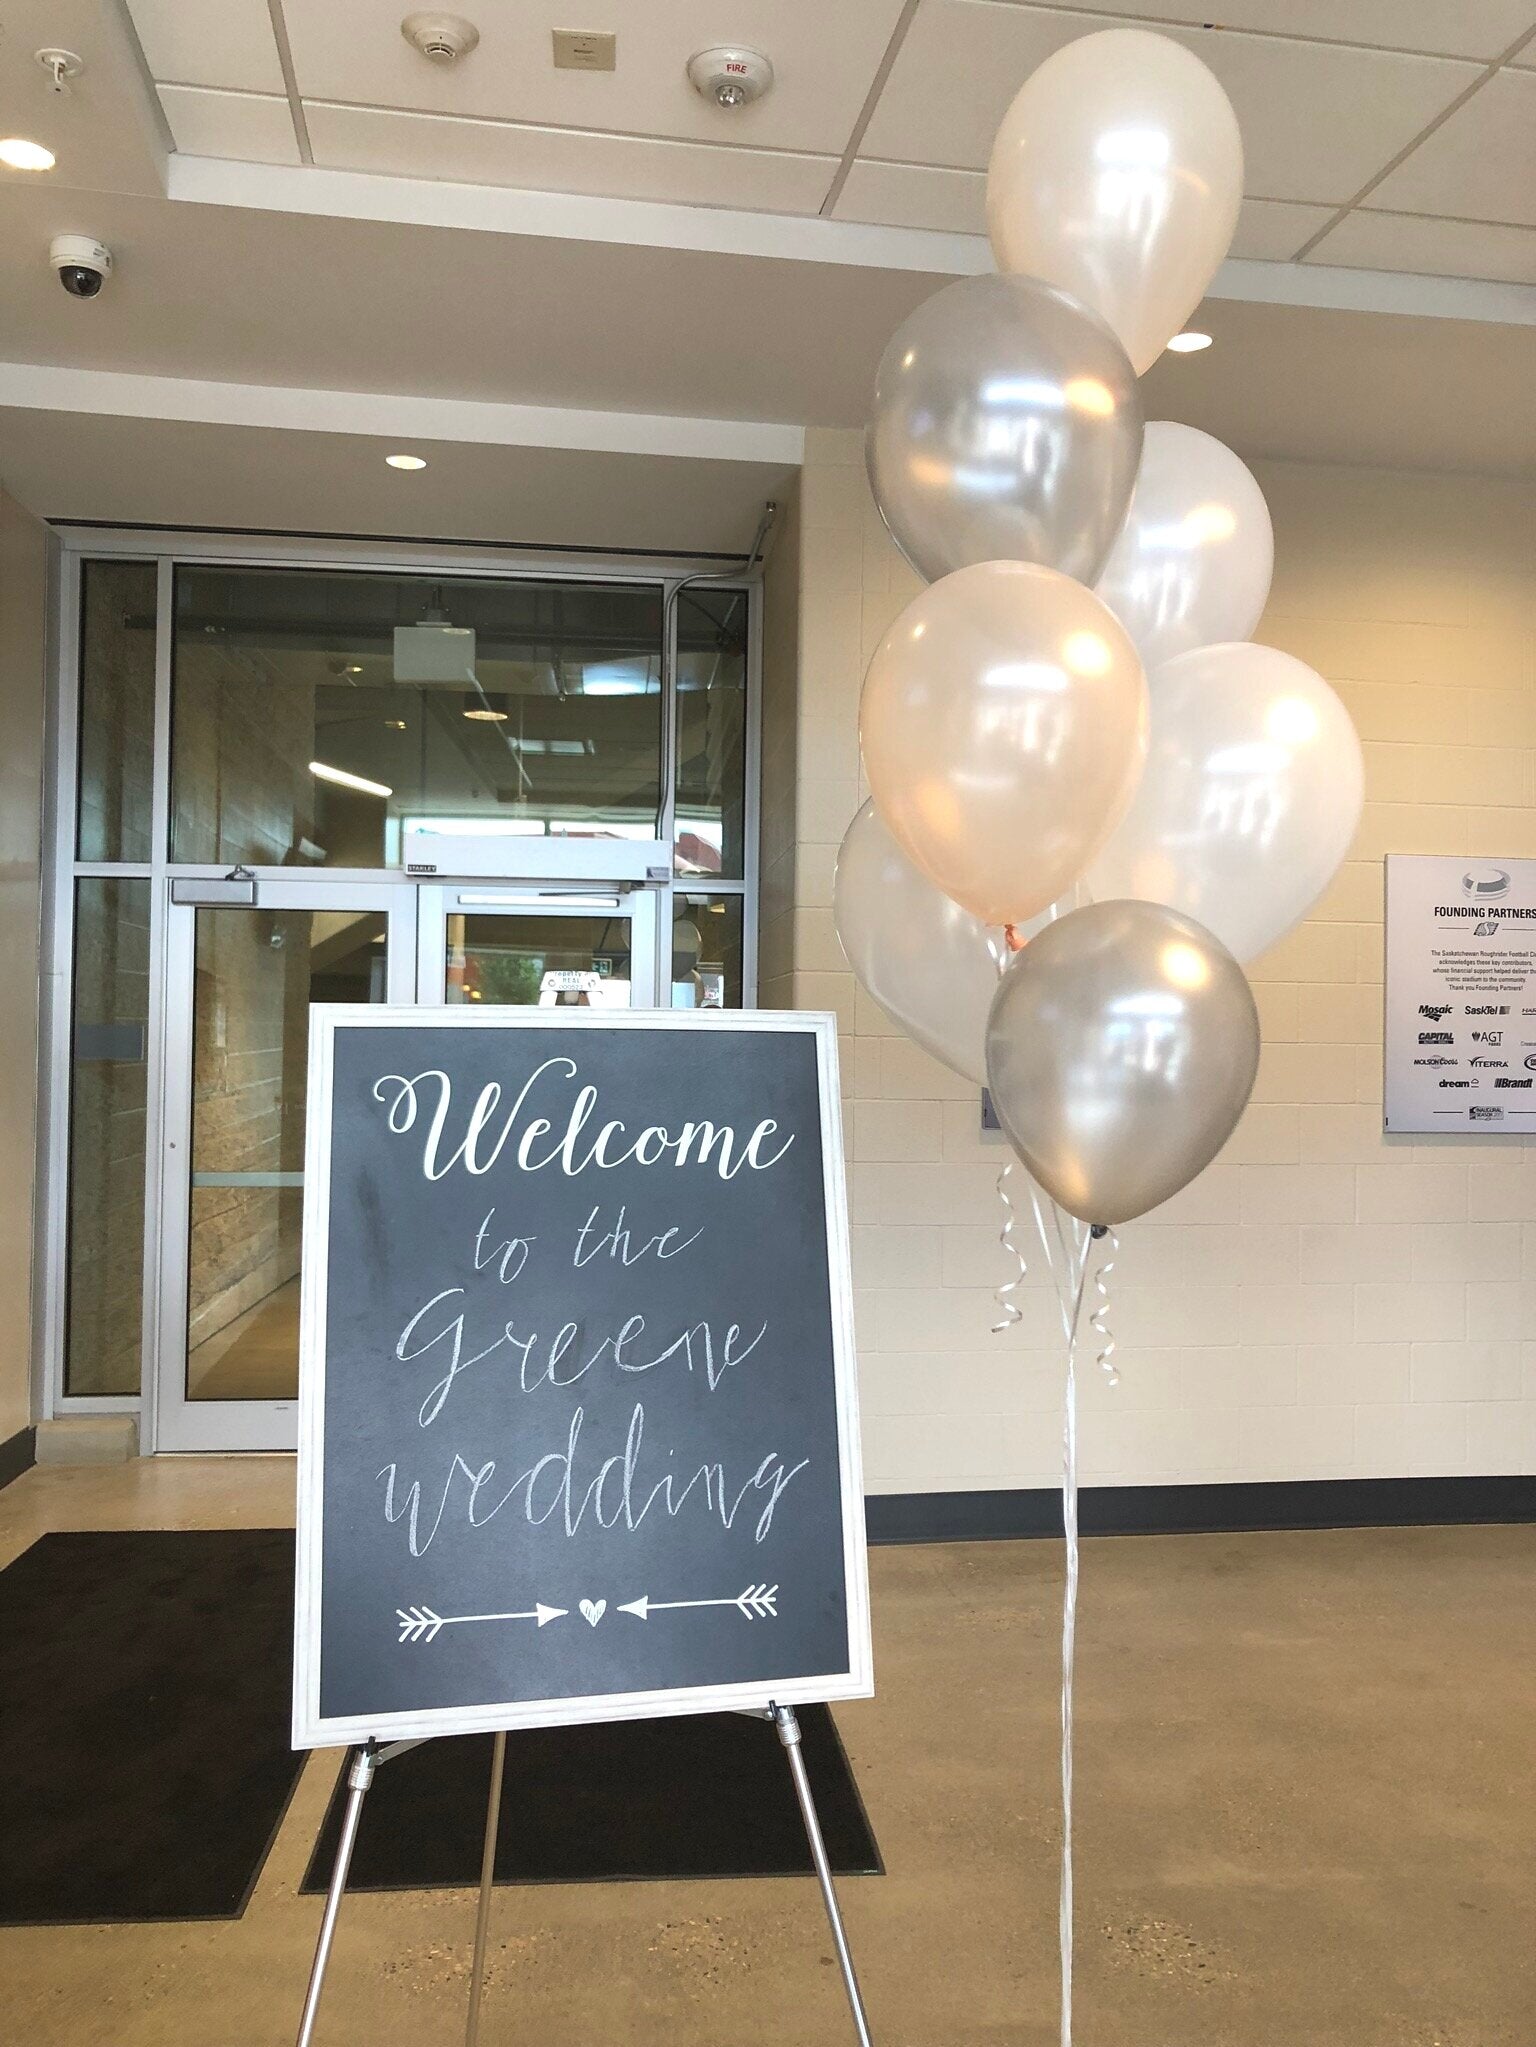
x,y
1092,798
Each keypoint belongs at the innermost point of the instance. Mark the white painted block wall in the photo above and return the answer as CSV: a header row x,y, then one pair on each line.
x,y
1324,1301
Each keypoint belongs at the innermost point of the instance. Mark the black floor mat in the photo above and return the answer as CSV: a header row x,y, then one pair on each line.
x,y
144,1712
705,1796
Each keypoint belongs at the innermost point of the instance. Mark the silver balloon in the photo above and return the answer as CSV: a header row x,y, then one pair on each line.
x,y
1121,1048
1006,427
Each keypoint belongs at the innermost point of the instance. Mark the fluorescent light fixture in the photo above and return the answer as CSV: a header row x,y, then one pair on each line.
x,y
406,461
1189,343
324,772
618,682
18,154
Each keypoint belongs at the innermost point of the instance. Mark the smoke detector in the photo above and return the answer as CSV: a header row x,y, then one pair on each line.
x,y
730,77
445,38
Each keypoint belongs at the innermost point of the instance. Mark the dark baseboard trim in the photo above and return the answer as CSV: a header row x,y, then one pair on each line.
x,y
18,1453
1201,1509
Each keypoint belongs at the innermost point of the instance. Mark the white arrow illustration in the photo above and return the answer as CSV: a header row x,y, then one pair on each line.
x,y
758,1602
420,1623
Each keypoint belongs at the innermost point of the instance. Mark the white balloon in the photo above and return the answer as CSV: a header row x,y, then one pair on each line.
x,y
1249,799
924,960
1196,553
1116,176
1003,724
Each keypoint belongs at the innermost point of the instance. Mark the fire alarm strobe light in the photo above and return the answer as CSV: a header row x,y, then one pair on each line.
x,y
442,37
729,77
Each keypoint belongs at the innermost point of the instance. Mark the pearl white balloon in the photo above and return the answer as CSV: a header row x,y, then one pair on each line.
x,y
1006,426
1249,800
1003,725
1194,559
1116,175
925,961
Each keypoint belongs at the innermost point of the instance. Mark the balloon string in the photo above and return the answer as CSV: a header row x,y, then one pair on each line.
x,y
1009,1311
1069,1646
1098,1321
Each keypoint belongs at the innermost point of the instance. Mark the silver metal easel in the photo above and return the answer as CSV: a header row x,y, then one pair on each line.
x,y
365,1766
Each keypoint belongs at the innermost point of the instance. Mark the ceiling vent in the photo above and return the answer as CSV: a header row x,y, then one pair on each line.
x,y
444,38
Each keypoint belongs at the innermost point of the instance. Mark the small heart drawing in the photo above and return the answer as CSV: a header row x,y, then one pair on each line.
x,y
592,1611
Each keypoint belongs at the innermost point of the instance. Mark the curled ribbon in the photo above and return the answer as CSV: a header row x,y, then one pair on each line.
x,y
1009,1311
1098,1321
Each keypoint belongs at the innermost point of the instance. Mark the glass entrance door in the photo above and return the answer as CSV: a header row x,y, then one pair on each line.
x,y
240,980
548,948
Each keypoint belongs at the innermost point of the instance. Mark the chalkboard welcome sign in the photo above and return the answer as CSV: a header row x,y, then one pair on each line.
x,y
578,1432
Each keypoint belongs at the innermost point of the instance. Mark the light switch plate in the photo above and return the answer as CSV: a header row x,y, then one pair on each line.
x,y
583,50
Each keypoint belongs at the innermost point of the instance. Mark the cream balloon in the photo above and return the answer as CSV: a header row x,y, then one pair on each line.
x,y
1250,797
1121,1048
1116,176
926,961
1003,725
1193,561
1006,426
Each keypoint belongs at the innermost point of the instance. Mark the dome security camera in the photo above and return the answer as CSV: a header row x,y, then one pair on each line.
x,y
83,264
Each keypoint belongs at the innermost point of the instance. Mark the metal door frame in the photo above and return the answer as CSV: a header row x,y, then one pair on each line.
x,y
173,1422
166,550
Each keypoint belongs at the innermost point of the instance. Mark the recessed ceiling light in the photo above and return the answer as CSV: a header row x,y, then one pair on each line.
x,y
405,461
485,714
1189,344
22,155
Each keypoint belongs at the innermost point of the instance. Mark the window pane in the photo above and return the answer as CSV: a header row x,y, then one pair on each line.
x,y
576,962
117,709
315,712
711,731
706,952
258,973
104,1291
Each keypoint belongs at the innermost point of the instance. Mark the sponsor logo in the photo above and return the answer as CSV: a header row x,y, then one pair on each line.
x,y
1436,1038
1436,1012
1483,883
1488,1115
1486,1009
1435,1059
1529,1062
1506,1080
1487,1037
1477,1059
1458,1083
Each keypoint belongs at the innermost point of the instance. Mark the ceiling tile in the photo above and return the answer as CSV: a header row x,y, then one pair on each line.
x,y
564,160
219,42
252,127
1272,230
914,195
824,56
918,195
963,60
1433,248
1481,164
1446,28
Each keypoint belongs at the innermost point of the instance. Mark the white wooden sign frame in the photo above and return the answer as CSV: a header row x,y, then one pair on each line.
x,y
311,1728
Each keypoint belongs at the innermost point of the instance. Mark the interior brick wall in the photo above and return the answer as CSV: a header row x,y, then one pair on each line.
x,y
1324,1301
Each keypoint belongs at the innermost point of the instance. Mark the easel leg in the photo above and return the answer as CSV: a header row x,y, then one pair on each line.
x,y
487,1881
789,1734
364,1764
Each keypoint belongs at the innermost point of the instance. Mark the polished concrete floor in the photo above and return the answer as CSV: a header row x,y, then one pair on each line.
x,y
1307,1808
